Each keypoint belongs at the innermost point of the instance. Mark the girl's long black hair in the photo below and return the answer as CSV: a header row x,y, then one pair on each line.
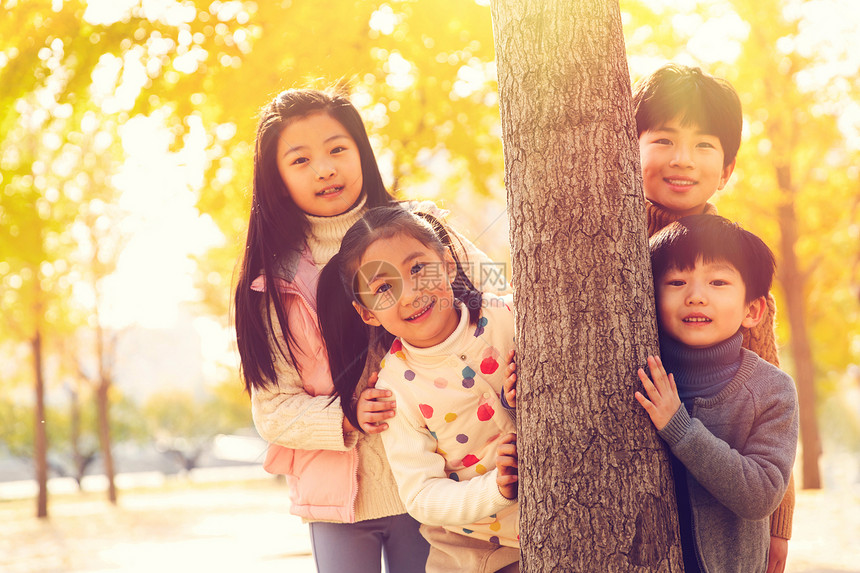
x,y
277,227
346,336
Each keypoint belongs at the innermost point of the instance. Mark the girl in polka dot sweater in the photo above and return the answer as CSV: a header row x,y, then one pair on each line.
x,y
451,443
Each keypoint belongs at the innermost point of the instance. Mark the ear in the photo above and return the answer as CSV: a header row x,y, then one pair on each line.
x,y
755,312
366,316
726,173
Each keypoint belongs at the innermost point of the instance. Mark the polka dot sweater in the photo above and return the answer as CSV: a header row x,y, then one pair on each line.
x,y
442,443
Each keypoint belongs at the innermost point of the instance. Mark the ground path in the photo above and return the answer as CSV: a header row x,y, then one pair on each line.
x,y
185,525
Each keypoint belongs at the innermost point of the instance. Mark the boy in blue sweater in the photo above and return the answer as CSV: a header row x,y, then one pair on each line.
x,y
729,417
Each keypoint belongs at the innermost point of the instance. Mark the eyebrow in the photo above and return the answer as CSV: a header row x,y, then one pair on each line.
x,y
723,267
409,257
676,130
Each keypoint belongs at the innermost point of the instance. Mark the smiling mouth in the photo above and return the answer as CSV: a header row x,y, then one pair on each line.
x,y
421,312
330,191
680,182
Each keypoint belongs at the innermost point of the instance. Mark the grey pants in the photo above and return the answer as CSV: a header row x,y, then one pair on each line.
x,y
358,547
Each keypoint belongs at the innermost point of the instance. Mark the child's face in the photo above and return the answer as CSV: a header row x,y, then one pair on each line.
x,y
320,165
682,167
405,287
705,305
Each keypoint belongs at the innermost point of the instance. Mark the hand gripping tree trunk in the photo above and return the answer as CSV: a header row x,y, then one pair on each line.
x,y
596,490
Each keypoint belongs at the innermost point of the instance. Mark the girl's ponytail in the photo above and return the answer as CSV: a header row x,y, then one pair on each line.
x,y
346,336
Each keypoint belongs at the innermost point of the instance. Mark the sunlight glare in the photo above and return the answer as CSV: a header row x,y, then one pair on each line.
x,y
106,12
399,71
154,273
383,20
719,39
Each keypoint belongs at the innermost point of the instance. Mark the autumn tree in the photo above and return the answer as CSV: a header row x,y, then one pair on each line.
x,y
56,60
421,74
790,171
796,183
596,490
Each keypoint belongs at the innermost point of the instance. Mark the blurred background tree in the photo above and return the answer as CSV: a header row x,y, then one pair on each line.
x,y
796,182
110,108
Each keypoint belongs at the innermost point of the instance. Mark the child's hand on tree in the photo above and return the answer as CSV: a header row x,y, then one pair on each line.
x,y
507,463
372,408
510,385
663,400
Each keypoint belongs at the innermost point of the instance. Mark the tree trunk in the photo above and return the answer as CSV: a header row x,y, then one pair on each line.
x,y
596,487
103,409
79,460
104,438
793,282
40,435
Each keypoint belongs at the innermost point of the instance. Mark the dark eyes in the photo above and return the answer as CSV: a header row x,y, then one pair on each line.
x,y
334,151
413,270
703,144
679,282
385,287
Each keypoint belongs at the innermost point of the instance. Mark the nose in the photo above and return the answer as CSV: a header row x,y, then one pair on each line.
x,y
325,169
682,157
695,295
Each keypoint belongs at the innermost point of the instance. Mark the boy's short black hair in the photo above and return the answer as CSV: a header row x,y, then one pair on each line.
x,y
681,91
713,238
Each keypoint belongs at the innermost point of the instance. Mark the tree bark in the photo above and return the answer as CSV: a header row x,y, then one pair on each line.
x,y
596,487
793,283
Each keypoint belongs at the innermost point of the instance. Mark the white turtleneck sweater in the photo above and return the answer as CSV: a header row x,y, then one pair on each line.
x,y
327,232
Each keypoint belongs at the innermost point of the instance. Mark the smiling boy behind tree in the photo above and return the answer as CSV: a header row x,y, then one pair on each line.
x,y
731,421
689,126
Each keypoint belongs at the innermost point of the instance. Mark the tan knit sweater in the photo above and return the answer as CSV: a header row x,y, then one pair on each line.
x,y
760,339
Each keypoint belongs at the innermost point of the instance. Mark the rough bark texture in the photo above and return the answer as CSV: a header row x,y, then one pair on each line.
x,y
794,284
596,488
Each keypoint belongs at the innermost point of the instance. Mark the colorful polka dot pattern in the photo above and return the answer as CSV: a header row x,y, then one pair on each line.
x,y
458,403
460,430
468,377
490,362
482,325
500,528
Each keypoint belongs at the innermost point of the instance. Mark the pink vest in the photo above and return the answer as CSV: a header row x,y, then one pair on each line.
x,y
323,484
